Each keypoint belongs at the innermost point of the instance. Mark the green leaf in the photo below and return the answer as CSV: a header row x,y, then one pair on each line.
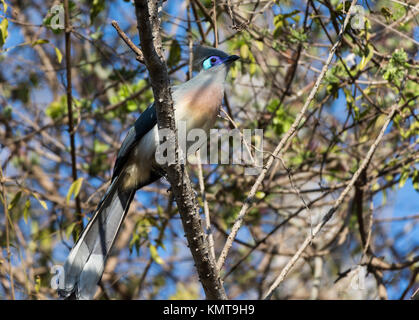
x,y
386,12
97,7
26,210
97,35
260,195
365,59
57,108
394,70
297,36
403,177
189,291
234,71
37,284
74,189
69,230
174,54
39,41
415,180
58,54
154,255
3,31
15,200
100,147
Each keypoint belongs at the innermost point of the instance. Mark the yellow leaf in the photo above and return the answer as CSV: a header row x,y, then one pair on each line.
x,y
37,284
365,59
244,51
4,6
42,202
252,69
260,195
59,55
363,139
233,72
74,189
69,230
259,45
3,31
154,255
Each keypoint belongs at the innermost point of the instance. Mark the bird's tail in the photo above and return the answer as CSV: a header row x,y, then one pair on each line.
x,y
86,261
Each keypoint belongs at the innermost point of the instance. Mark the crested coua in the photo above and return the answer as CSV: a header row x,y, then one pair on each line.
x,y
197,103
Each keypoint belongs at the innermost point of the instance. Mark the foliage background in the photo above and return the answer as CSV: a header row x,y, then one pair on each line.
x,y
283,46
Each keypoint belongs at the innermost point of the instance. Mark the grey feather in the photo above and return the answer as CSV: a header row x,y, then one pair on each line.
x,y
86,261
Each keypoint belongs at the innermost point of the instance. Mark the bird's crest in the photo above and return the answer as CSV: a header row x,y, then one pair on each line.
x,y
200,53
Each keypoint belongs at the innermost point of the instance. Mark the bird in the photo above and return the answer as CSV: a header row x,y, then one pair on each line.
x,y
196,102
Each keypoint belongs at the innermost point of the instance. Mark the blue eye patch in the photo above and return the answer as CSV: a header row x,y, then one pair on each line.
x,y
211,61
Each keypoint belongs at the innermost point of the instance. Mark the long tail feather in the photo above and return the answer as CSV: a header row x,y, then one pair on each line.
x,y
86,262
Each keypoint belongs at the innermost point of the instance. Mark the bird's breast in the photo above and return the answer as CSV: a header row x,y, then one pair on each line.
x,y
199,107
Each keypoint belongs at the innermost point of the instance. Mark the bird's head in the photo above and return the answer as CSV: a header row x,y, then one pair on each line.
x,y
211,60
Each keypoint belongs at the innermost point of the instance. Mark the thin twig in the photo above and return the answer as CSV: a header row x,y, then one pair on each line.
x,y
190,42
317,275
7,221
130,44
336,205
405,218
401,34
71,130
231,13
214,17
278,150
208,230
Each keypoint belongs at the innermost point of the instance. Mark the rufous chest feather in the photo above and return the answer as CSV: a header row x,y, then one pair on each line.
x,y
201,106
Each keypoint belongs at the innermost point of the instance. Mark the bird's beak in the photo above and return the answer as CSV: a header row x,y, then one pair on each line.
x,y
231,59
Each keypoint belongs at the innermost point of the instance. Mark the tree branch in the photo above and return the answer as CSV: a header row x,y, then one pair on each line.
x,y
149,31
127,40
336,205
71,130
7,222
279,149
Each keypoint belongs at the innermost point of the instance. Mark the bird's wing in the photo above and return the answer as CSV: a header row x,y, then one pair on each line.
x,y
145,122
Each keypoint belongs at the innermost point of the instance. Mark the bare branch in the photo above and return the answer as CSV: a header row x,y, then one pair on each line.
x,y
70,112
279,149
149,30
127,40
336,205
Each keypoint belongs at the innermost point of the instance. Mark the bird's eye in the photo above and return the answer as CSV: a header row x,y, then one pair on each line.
x,y
210,62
